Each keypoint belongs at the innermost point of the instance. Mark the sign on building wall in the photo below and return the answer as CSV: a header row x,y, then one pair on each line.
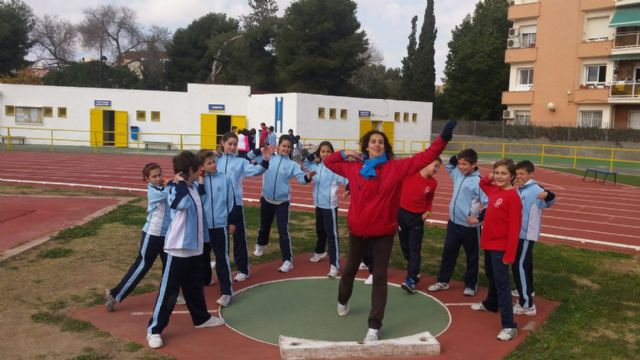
x,y
364,113
102,103
216,107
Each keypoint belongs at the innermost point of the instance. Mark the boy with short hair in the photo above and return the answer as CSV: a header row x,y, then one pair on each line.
x,y
465,218
416,199
534,199
183,244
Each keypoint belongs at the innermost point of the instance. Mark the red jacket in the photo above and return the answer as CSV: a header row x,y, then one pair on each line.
x,y
417,193
502,220
373,209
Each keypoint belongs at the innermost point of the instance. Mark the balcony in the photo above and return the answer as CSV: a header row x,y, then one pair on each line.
x,y
517,97
589,5
627,2
595,49
591,94
523,11
627,92
519,55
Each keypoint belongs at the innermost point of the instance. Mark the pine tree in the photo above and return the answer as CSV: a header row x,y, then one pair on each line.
x,y
476,73
408,62
424,71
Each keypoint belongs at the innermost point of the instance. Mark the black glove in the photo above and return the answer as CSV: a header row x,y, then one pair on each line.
x,y
447,132
453,160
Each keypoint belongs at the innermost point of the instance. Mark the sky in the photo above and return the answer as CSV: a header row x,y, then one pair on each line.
x,y
386,22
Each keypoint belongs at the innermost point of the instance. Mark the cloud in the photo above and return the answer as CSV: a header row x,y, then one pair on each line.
x,y
387,22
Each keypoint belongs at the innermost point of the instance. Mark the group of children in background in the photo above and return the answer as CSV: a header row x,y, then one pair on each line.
x,y
197,211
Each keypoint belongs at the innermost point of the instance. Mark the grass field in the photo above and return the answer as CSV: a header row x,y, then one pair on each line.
x,y
598,316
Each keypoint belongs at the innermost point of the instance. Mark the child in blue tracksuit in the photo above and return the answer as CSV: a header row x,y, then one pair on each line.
x,y
275,199
152,240
534,199
465,217
236,169
325,198
218,203
184,243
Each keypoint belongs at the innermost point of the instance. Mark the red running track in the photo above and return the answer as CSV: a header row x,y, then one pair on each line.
x,y
587,214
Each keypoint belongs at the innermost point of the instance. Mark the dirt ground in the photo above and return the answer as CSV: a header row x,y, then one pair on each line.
x,y
38,290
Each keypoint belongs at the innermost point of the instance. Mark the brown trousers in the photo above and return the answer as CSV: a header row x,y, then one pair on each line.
x,y
381,246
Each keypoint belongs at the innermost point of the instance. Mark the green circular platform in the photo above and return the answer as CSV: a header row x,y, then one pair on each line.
x,y
306,308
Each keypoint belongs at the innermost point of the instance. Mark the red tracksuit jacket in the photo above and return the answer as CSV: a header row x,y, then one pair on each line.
x,y
373,209
502,220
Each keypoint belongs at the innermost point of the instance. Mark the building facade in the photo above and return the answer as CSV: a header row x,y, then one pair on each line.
x,y
574,63
198,117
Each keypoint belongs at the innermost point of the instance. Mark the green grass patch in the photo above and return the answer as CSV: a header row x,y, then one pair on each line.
x,y
64,322
132,347
55,253
621,178
91,354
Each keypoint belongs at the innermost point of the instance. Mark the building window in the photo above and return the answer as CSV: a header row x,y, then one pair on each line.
x,y
47,111
405,117
595,74
396,117
528,40
414,117
591,118
596,28
155,116
522,118
29,116
141,115
343,114
525,76
320,113
62,112
9,110
332,114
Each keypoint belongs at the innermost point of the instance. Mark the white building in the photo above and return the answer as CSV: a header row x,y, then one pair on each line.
x,y
196,118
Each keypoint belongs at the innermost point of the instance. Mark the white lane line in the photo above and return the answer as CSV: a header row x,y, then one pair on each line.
x,y
147,313
557,237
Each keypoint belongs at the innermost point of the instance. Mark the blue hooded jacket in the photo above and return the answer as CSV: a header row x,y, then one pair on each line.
x,y
217,199
325,185
467,198
532,209
158,214
275,181
236,168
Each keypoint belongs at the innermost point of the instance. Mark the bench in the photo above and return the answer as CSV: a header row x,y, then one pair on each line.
x,y
160,144
595,172
13,139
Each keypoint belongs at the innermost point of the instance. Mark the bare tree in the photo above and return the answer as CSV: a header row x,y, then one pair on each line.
x,y
55,40
112,28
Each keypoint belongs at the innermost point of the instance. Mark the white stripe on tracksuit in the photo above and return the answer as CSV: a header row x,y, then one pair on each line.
x,y
163,288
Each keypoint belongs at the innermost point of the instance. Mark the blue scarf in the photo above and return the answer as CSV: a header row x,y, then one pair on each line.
x,y
368,170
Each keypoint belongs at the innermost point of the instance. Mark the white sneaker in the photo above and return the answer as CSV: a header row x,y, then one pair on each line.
x,y
515,293
109,301
333,272
180,300
154,341
520,310
240,277
438,286
372,335
343,310
369,280
478,307
224,300
316,257
363,266
507,334
212,322
469,292
259,250
286,266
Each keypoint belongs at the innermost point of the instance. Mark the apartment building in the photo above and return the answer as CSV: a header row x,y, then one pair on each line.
x,y
574,63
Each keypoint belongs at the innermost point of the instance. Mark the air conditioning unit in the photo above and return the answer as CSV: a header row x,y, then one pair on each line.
x,y
513,43
507,114
514,32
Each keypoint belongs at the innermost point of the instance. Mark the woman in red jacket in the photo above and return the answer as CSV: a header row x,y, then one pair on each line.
x,y
375,180
499,240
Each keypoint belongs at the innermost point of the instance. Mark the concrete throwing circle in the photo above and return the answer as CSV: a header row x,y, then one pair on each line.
x,y
306,308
